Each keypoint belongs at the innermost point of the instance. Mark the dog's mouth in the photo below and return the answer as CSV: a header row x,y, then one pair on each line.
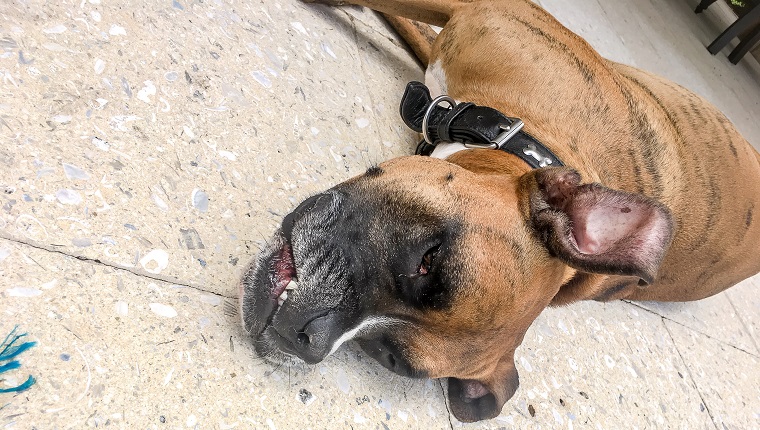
x,y
266,284
282,269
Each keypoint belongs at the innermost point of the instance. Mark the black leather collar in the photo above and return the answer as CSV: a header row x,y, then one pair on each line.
x,y
472,125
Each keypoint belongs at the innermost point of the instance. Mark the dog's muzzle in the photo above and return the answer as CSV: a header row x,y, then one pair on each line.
x,y
286,304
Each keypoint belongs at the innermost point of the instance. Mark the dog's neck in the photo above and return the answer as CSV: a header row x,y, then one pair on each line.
x,y
460,126
445,149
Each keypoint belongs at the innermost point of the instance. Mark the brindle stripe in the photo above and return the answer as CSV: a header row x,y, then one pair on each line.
x,y
698,169
449,47
703,121
723,121
713,188
649,142
688,111
681,144
702,177
449,44
663,109
699,115
747,223
585,70
636,170
573,144
540,14
425,31
712,193
749,216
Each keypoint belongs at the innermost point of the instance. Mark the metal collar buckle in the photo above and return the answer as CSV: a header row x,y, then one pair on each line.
x,y
508,130
426,119
507,133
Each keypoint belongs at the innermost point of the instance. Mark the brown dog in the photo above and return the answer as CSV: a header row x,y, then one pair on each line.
x,y
438,267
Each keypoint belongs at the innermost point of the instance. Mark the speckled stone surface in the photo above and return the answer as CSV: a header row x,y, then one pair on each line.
x,y
171,138
728,378
714,316
595,365
746,302
147,151
116,348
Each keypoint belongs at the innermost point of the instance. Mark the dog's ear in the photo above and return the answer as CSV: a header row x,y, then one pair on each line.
x,y
596,229
475,400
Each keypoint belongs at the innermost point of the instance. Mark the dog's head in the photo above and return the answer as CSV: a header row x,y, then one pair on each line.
x,y
438,270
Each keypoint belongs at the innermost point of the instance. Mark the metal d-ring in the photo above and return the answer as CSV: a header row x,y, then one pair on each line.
x,y
425,119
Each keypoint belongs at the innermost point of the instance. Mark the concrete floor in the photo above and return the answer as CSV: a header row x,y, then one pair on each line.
x,y
148,149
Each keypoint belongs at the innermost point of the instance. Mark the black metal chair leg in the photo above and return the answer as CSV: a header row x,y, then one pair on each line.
x,y
735,29
704,4
745,46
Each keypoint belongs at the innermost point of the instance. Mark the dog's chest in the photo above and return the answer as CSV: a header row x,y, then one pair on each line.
x,y
435,79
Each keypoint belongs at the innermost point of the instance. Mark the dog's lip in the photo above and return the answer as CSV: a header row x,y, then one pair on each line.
x,y
282,270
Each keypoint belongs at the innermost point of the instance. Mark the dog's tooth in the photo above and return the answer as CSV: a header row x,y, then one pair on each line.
x,y
292,285
281,299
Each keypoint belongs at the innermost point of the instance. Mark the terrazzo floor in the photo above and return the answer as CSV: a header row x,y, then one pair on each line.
x,y
148,148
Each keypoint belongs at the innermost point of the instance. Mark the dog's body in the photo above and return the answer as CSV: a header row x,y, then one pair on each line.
x,y
621,127
439,267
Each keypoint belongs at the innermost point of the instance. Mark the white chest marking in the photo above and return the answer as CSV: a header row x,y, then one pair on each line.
x,y
435,80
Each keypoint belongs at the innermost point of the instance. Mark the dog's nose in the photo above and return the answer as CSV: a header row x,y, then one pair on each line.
x,y
313,203
311,341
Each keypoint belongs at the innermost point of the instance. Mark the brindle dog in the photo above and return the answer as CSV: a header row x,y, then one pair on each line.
x,y
437,267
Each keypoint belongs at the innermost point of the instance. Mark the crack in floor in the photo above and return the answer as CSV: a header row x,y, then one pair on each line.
x,y
695,330
446,403
744,324
137,272
688,371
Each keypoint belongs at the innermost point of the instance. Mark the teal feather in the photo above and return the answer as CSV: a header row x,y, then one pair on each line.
x,y
13,365
29,382
9,350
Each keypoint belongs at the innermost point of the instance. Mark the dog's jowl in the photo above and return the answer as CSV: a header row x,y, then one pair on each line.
x,y
438,265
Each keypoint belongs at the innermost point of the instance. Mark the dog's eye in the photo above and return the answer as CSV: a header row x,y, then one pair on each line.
x,y
424,285
427,260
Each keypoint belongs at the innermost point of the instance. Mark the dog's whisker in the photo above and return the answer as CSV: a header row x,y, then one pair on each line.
x,y
230,308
